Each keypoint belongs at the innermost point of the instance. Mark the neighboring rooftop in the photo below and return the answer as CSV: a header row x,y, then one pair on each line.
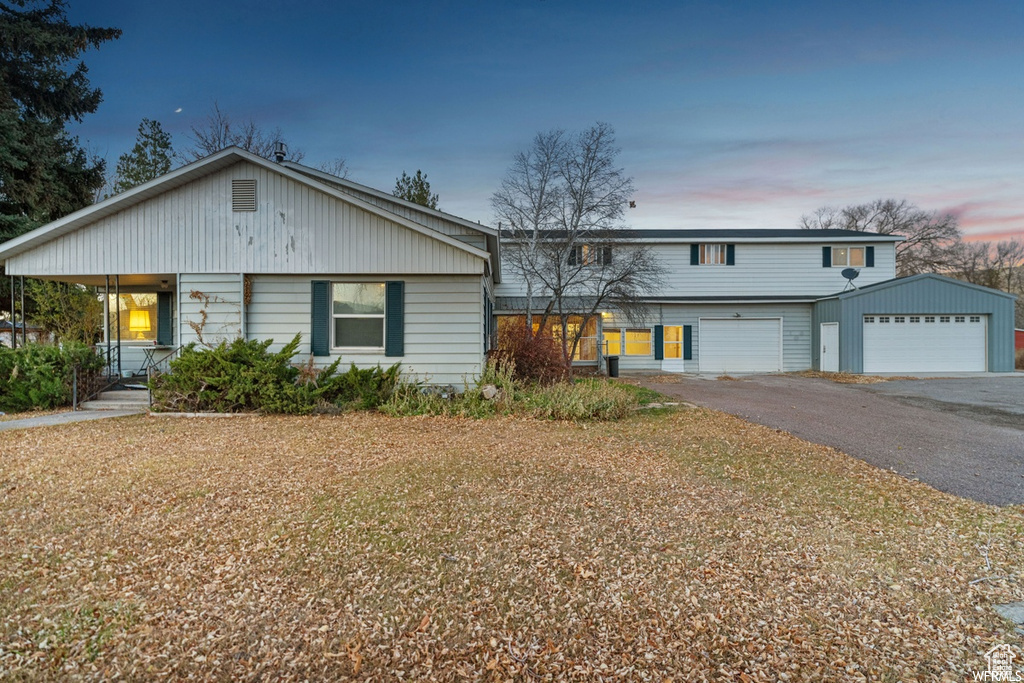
x,y
744,235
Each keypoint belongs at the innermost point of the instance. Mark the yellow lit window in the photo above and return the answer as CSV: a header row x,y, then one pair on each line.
x,y
673,341
638,342
612,339
136,315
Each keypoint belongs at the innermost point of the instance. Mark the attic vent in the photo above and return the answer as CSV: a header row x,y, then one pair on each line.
x,y
243,195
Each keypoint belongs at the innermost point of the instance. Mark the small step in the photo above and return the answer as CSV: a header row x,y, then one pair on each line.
x,y
119,399
124,395
115,405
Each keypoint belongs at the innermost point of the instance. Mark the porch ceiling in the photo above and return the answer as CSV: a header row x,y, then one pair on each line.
x,y
152,281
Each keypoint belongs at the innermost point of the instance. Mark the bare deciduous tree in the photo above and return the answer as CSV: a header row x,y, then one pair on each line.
x,y
999,265
218,131
337,167
931,237
560,209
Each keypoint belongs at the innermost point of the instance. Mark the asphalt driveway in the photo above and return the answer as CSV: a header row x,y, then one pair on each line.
x,y
964,436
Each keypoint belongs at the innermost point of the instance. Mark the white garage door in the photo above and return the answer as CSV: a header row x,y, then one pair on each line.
x,y
740,345
924,343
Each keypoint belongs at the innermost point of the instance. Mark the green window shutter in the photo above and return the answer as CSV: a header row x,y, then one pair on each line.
x,y
826,257
869,257
687,342
164,319
320,325
730,254
694,254
394,318
659,342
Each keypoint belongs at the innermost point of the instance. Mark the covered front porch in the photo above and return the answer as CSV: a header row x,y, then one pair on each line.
x,y
139,320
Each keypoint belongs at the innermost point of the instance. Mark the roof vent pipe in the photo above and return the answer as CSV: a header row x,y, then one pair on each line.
x,y
280,151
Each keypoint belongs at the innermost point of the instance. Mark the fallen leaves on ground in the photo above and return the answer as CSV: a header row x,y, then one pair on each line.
x,y
853,378
682,546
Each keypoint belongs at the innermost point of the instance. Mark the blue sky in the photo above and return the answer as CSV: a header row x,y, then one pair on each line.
x,y
729,114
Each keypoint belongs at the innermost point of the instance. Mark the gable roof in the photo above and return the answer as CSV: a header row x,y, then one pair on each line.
x,y
193,171
900,281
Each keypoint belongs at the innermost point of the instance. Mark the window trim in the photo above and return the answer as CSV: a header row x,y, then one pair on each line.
x,y
383,316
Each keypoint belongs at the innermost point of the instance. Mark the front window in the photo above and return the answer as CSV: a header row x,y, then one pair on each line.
x,y
712,254
358,312
136,316
673,341
848,256
612,338
586,349
627,342
638,342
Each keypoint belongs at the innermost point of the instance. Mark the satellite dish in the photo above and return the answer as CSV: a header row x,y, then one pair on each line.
x,y
850,274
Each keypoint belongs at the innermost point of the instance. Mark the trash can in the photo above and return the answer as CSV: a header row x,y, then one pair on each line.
x,y
613,365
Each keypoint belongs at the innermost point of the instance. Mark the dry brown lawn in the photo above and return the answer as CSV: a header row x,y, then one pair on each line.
x,y
672,546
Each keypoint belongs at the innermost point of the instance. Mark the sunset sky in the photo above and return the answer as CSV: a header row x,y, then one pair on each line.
x,y
728,114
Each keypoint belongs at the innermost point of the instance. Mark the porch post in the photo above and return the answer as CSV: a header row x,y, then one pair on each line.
x,y
14,332
107,324
117,298
24,326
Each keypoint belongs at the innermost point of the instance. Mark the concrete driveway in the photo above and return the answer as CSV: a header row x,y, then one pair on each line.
x,y
964,436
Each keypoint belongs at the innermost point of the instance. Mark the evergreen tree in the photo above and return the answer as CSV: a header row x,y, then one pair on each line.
x,y
415,189
150,157
44,173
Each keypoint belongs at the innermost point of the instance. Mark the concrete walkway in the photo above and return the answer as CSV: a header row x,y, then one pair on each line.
x,y
65,418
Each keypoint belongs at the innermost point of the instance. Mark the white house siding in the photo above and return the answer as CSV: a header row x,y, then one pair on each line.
x,y
777,269
796,330
443,323
192,229
219,297
448,227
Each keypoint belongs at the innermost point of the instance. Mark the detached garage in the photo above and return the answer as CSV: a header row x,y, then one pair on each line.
x,y
923,323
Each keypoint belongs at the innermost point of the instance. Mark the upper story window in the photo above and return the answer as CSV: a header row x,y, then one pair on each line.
x,y
848,257
589,255
712,254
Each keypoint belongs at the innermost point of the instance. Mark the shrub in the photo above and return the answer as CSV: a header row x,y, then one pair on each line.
x,y
589,399
361,389
1019,364
586,399
41,376
534,357
244,376
239,376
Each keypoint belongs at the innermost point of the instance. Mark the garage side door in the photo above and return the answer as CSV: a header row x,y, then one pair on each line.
x,y
925,343
740,345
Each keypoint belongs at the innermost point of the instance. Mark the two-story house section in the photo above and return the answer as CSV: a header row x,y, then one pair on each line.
x,y
742,301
